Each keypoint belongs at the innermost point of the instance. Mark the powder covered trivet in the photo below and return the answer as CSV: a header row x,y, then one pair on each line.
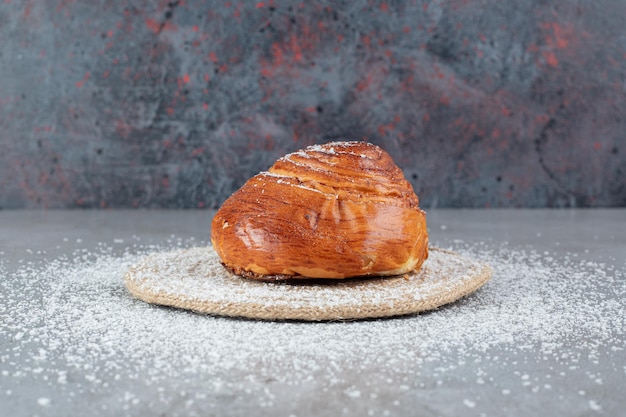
x,y
194,279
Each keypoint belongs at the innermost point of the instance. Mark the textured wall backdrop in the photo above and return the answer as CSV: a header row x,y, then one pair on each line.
x,y
175,104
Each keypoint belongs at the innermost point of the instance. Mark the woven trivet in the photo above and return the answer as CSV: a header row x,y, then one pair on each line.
x,y
194,279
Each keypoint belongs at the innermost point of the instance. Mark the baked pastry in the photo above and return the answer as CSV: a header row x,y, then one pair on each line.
x,y
339,210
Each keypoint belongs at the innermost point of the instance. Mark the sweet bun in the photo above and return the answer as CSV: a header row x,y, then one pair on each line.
x,y
339,210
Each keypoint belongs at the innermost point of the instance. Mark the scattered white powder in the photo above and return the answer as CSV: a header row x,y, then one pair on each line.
x,y
331,148
272,174
352,392
43,401
469,403
70,324
322,149
593,405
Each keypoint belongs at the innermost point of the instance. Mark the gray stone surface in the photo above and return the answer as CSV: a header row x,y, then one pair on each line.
x,y
175,104
568,376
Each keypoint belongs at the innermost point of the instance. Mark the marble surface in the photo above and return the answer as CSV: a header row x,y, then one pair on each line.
x,y
174,104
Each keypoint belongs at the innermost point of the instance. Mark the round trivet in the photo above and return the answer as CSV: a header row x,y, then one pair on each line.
x,y
194,279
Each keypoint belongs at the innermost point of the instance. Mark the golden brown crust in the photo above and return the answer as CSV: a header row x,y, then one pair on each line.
x,y
338,210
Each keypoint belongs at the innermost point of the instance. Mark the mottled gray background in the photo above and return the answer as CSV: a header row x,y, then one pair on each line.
x,y
175,104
